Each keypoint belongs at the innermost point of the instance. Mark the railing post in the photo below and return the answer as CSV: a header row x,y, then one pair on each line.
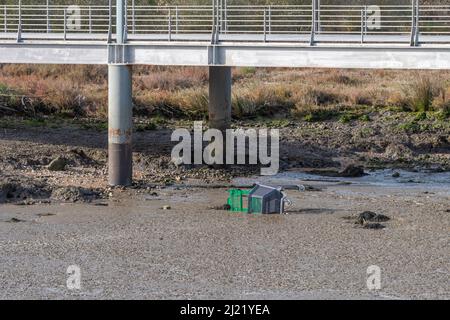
x,y
19,27
313,22
5,27
218,20
133,16
318,27
125,21
109,21
225,16
170,25
120,21
214,23
65,24
365,19
222,14
363,23
270,19
414,22
265,32
48,16
416,38
90,19
176,19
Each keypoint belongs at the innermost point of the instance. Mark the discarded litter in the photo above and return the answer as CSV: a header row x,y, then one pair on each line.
x,y
237,200
259,200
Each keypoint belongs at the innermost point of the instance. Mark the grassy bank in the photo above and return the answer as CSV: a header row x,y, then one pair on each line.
x,y
181,93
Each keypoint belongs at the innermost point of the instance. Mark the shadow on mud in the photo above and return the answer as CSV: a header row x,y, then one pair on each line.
x,y
312,211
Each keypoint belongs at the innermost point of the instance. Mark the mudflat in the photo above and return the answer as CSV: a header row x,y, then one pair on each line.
x,y
128,246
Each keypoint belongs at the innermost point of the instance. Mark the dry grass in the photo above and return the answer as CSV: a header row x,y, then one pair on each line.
x,y
182,91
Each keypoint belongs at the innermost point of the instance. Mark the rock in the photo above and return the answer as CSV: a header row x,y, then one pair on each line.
x,y
365,216
352,171
58,164
369,216
166,208
396,175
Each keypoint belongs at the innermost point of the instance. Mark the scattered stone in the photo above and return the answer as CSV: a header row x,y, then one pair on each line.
x,y
101,204
166,207
75,194
369,216
58,164
352,171
396,175
46,214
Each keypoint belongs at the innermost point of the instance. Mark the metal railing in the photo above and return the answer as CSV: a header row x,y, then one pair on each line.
x,y
219,21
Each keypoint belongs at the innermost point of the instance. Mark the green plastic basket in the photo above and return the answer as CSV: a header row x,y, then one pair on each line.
x,y
237,200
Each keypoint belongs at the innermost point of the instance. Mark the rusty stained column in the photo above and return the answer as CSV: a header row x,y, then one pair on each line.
x,y
120,111
120,125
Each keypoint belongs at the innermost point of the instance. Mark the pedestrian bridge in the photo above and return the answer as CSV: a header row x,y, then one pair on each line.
x,y
412,36
220,35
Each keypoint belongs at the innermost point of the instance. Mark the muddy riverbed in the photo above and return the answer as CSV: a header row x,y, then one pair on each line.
x,y
130,247
127,246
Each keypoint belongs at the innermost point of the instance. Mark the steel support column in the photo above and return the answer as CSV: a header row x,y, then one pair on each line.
x,y
120,125
219,97
120,112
